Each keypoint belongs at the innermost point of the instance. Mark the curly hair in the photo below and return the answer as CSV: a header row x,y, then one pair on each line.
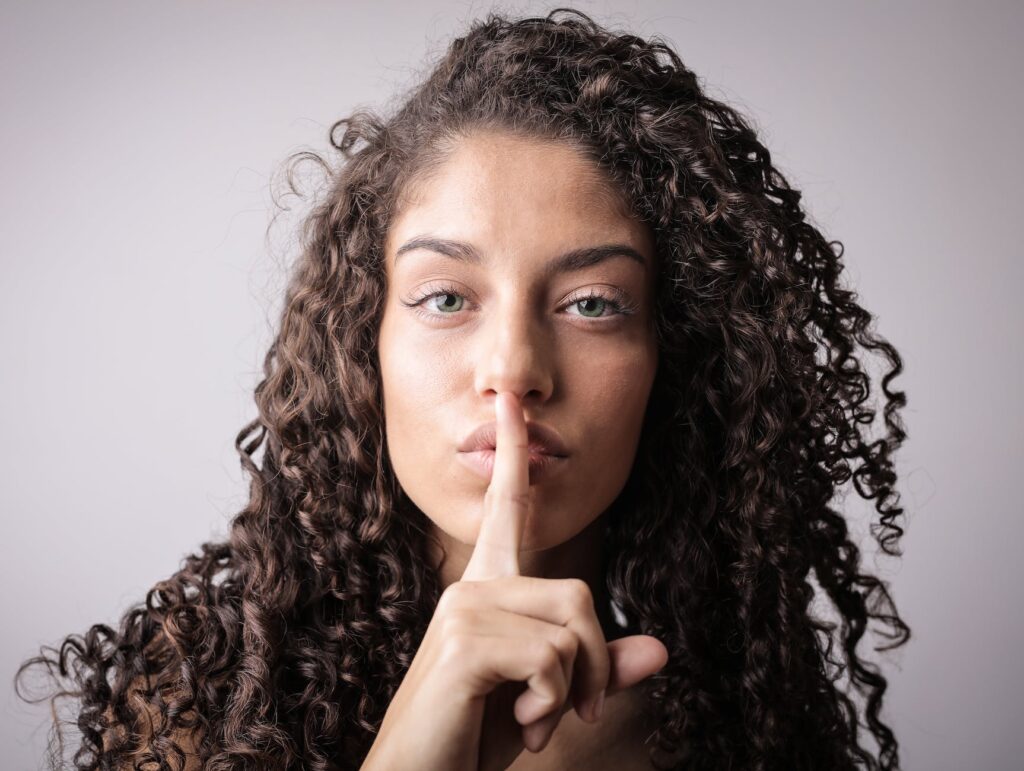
x,y
282,646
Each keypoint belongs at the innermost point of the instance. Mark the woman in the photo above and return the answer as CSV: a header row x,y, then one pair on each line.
x,y
563,388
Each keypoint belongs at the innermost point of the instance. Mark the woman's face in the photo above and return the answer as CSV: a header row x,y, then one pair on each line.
x,y
455,332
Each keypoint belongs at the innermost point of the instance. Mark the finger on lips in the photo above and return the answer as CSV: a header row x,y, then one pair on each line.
x,y
496,555
506,503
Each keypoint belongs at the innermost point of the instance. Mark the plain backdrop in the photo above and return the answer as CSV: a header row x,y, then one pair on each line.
x,y
139,283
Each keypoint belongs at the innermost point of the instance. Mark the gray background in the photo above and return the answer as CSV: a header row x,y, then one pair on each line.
x,y
138,146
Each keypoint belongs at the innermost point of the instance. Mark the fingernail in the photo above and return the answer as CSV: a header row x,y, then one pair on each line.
x,y
599,706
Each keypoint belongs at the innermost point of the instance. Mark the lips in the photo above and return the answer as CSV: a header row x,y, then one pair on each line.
x,y
541,465
546,455
543,440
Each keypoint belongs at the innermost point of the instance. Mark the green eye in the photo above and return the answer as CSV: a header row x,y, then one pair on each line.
x,y
591,306
590,300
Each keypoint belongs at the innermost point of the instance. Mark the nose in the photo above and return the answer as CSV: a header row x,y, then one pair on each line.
x,y
514,354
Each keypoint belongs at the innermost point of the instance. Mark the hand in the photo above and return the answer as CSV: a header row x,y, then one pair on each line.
x,y
504,655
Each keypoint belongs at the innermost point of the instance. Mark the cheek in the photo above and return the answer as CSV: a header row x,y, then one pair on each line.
x,y
413,375
611,395
610,379
625,385
419,381
606,395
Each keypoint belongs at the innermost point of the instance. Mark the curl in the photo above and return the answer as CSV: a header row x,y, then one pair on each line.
x,y
282,646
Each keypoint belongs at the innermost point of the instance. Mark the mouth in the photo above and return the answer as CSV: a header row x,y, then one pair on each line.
x,y
542,465
542,439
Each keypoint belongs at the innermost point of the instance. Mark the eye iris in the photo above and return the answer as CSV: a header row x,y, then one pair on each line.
x,y
446,306
586,305
581,303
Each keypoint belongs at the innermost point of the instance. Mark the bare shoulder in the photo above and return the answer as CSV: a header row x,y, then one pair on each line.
x,y
631,750
623,740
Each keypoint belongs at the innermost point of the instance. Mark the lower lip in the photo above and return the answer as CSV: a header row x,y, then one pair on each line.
x,y
481,463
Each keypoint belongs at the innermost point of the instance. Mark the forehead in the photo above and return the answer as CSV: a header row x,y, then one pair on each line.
x,y
495,187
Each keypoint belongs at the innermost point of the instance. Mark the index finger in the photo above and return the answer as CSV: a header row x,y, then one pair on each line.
x,y
507,500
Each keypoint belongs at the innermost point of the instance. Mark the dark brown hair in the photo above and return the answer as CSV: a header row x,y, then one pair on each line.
x,y
282,646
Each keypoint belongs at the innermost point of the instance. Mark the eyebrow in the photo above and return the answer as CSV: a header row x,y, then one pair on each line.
x,y
576,259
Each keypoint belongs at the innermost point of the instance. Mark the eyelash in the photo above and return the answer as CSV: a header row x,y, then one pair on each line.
x,y
620,305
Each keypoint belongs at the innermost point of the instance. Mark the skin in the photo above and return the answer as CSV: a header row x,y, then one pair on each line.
x,y
480,688
520,203
507,325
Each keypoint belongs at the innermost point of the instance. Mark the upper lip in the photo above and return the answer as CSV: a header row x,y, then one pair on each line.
x,y
542,439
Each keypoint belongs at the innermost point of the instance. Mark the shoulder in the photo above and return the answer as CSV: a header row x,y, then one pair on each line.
x,y
633,746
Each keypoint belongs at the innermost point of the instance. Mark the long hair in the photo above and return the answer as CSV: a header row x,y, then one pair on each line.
x,y
282,646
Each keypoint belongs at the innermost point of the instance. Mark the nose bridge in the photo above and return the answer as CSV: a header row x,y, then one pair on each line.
x,y
514,353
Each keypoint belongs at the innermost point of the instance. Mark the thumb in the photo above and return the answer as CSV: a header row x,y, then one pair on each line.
x,y
634,658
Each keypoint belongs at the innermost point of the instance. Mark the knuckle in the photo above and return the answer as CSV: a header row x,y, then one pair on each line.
x,y
566,641
503,495
548,657
456,595
458,623
579,595
519,499
448,599
458,646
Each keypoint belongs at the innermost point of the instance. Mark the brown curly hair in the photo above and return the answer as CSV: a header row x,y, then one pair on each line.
x,y
282,646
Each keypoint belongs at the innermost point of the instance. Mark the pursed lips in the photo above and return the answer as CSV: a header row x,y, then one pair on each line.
x,y
547,451
543,440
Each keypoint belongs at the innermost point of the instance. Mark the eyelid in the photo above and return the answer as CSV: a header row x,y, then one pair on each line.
x,y
620,302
